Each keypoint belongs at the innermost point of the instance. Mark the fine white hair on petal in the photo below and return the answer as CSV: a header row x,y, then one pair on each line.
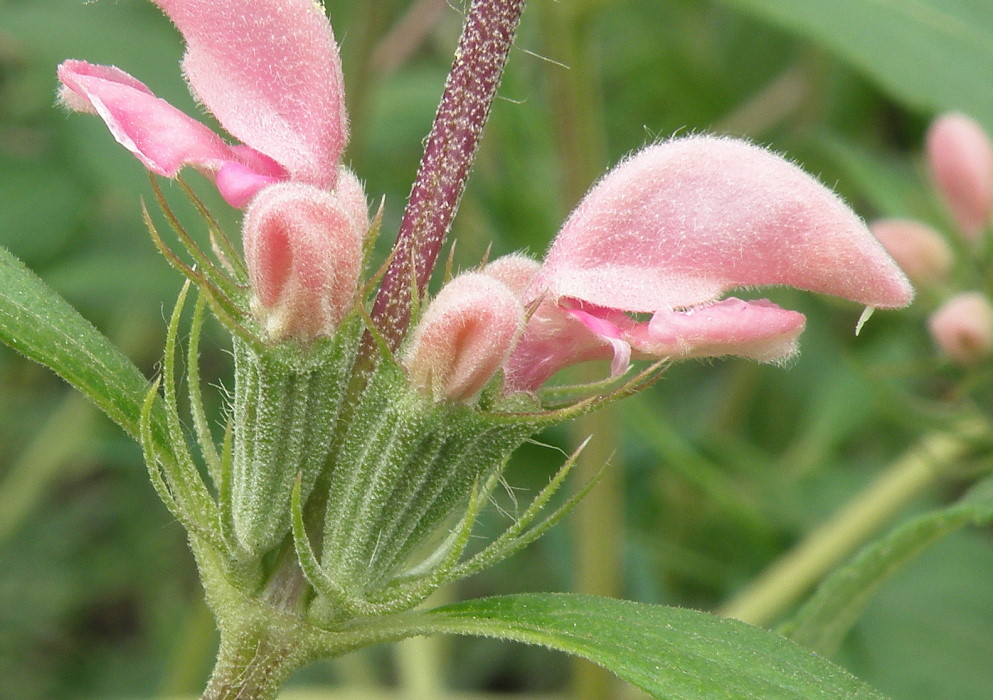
x,y
683,222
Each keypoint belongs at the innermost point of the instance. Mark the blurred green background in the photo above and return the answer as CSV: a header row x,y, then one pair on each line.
x,y
717,470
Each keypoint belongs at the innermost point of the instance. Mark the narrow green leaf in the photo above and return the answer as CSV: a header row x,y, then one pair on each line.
x,y
822,623
931,54
42,326
518,536
670,653
200,423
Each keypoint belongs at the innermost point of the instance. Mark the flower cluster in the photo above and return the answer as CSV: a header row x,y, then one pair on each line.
x,y
379,452
960,160
667,233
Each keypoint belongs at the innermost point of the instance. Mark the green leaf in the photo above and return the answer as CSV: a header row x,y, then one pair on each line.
x,y
822,623
935,55
670,653
890,186
42,326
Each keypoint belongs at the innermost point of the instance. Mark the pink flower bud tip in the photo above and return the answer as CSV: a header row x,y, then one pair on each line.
x,y
464,337
303,249
960,156
920,251
963,327
516,270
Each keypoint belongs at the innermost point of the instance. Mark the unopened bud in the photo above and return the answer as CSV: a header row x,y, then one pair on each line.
x,y
464,337
963,327
516,270
351,198
960,156
303,250
920,251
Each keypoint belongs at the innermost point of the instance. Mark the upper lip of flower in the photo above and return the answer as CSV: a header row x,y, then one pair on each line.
x,y
674,228
272,78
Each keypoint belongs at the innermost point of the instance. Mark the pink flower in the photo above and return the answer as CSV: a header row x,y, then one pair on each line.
x,y
920,251
668,233
303,250
960,156
464,337
963,327
269,71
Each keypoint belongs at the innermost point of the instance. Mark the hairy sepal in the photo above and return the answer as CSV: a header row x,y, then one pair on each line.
x,y
287,401
402,478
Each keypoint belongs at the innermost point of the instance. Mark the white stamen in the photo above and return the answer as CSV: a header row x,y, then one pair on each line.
x,y
866,314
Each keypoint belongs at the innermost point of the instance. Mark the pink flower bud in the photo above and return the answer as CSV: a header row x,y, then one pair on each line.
x,y
960,156
303,250
464,337
351,199
516,270
963,327
920,251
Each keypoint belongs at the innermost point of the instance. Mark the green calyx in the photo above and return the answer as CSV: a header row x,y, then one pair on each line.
x,y
339,493
286,403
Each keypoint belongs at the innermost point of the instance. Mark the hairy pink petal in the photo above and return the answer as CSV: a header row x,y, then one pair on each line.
x,y
351,196
683,222
269,71
558,336
963,327
759,330
555,338
159,135
920,251
464,337
304,257
516,270
163,138
608,331
238,184
960,156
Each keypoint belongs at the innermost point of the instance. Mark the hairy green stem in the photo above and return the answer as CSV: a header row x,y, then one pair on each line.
x,y
251,665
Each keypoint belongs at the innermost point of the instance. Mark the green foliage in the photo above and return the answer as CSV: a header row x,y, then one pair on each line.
x,y
827,617
38,323
671,653
929,54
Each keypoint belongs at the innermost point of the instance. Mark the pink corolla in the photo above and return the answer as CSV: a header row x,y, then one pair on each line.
x,y
960,156
303,250
963,327
464,337
641,267
268,70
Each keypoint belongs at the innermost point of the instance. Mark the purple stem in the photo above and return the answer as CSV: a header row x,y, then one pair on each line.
x,y
480,58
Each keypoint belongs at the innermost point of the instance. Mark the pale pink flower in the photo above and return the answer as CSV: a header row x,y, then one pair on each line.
x,y
464,337
960,156
303,250
268,70
668,233
920,251
963,327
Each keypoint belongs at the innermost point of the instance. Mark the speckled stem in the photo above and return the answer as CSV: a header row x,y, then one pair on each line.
x,y
480,58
